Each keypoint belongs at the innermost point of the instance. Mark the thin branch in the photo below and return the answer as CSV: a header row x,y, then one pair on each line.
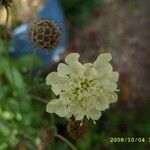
x,y
37,86
6,23
66,141
33,62
7,50
39,99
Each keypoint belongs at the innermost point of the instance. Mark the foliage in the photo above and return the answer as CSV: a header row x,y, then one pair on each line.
x,y
18,106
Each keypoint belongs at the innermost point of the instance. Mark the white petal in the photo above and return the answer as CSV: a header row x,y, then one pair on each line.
x,y
63,69
101,64
113,97
103,103
88,65
56,88
56,106
111,86
76,68
77,112
104,68
114,76
52,105
105,57
71,58
74,65
66,97
90,71
55,78
94,114
79,116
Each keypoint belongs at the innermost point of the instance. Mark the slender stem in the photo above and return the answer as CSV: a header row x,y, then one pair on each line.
x,y
36,87
39,99
66,141
6,23
7,17
7,50
33,62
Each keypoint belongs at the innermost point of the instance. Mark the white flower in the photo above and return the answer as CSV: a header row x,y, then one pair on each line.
x,y
83,90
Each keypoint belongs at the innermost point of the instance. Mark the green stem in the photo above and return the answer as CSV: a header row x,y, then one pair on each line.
x,y
42,100
7,50
33,62
66,141
36,87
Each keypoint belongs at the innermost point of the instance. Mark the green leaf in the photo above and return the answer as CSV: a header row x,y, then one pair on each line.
x,y
13,76
26,61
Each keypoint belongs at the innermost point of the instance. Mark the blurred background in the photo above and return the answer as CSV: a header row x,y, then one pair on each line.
x,y
90,28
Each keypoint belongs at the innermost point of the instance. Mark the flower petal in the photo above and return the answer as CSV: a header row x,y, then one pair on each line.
x,y
66,97
103,58
94,114
104,68
75,66
56,88
102,105
56,106
90,71
55,78
113,97
52,105
101,64
71,58
80,115
113,76
109,85
63,69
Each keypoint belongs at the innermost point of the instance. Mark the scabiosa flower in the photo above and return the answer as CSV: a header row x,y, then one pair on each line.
x,y
44,34
84,91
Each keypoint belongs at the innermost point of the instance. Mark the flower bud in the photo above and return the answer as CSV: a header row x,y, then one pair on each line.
x,y
76,129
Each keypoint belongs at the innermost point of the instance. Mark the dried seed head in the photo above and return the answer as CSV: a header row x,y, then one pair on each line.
x,y
44,34
76,129
5,3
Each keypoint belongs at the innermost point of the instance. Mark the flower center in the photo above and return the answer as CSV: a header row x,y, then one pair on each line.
x,y
82,91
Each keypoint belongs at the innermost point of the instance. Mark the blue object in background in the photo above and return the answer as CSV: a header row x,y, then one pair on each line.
x,y
22,44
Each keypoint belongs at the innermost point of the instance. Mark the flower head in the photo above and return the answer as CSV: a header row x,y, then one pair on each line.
x,y
83,90
44,34
5,3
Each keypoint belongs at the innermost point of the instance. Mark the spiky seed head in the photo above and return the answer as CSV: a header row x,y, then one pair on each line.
x,y
5,3
44,34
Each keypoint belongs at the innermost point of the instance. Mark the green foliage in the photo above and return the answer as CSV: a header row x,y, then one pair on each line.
x,y
20,112
79,12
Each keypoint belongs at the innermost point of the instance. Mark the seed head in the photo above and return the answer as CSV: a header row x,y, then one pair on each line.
x,y
5,3
44,34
